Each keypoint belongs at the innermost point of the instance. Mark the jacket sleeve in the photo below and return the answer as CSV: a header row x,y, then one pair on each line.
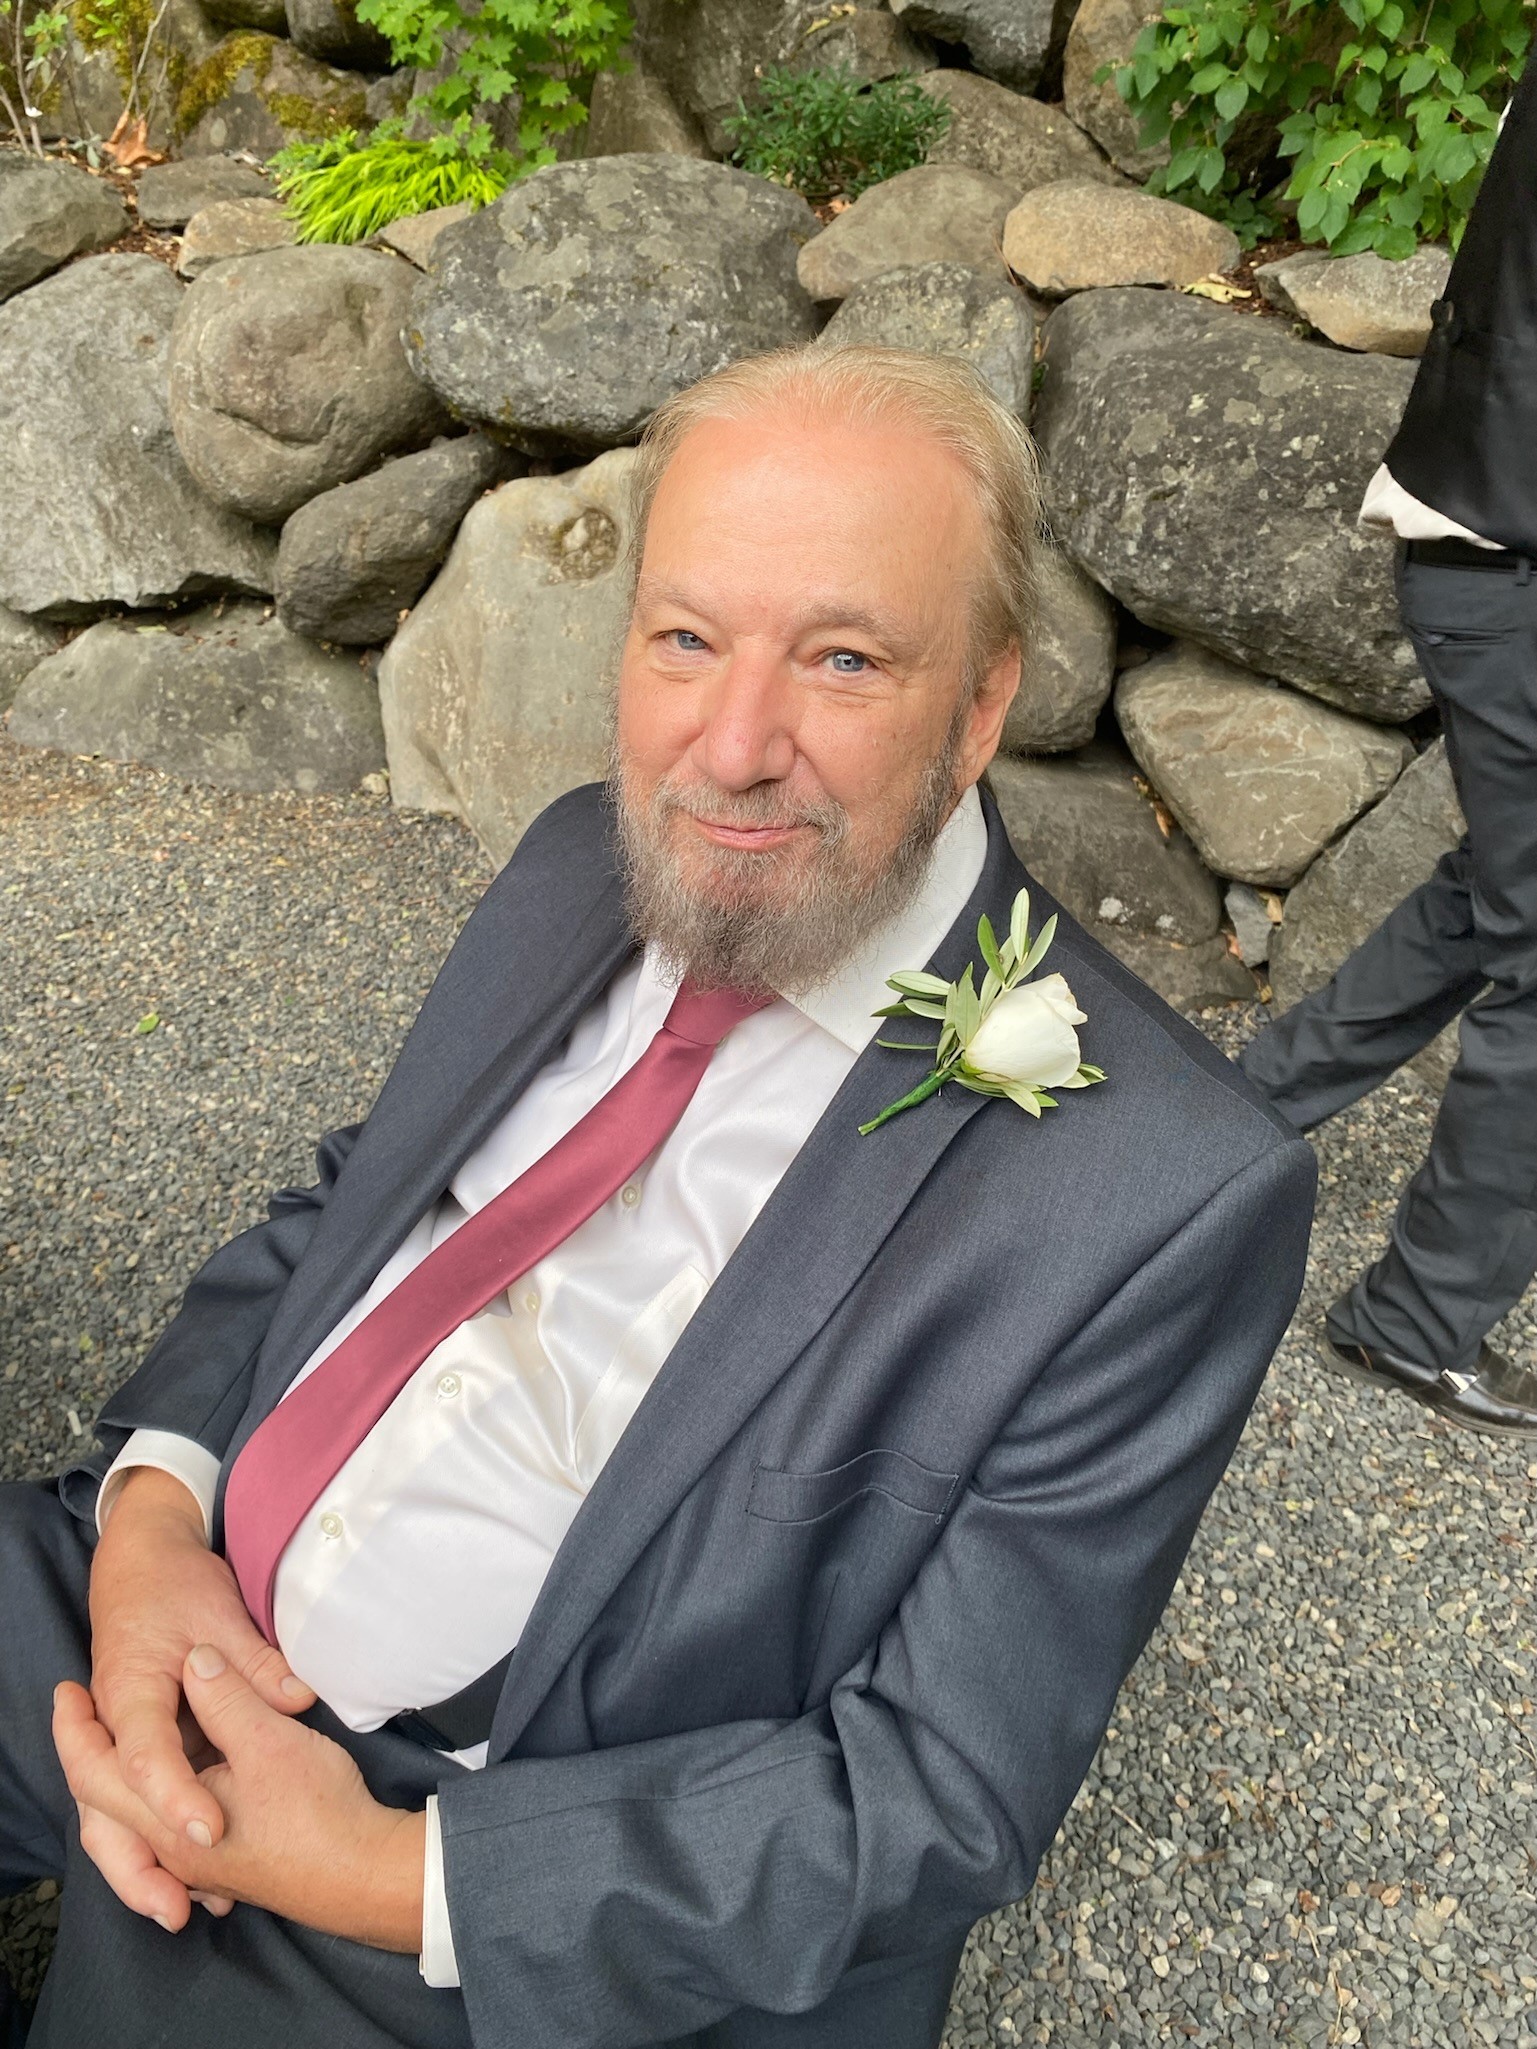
x,y
637,1894
196,1380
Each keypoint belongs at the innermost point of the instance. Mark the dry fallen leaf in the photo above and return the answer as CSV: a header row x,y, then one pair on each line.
x,y
1217,287
128,144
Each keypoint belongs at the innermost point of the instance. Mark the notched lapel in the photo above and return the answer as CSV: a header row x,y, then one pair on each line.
x,y
823,1225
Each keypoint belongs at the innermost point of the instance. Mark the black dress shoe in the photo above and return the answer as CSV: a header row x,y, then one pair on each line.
x,y
1495,1395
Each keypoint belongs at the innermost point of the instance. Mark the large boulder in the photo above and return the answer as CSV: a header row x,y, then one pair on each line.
x,y
945,309
1363,301
1349,890
494,691
225,695
415,235
633,114
170,194
564,314
49,212
288,375
1010,40
270,16
938,213
354,559
233,227
1207,468
23,644
1261,778
1083,827
331,31
258,93
1024,142
99,507
710,53
1070,666
1083,233
865,41
1105,32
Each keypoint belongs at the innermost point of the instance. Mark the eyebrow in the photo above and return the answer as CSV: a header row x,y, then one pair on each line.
x,y
881,626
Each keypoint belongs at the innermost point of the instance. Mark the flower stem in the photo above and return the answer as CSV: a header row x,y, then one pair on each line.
x,y
929,1086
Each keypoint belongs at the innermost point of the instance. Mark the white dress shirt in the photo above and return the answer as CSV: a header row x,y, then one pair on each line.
x,y
1389,509
417,1568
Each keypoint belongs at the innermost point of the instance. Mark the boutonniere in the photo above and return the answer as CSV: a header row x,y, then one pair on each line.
x,y
1008,1038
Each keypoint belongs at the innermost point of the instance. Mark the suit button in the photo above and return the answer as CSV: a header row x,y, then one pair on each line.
x,y
331,1524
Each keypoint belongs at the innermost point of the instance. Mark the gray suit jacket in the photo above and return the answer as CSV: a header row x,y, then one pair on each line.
x,y
833,1639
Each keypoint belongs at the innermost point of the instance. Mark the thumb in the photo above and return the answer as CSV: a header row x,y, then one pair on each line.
x,y
226,1706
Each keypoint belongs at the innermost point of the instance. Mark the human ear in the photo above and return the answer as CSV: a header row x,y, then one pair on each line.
x,y
989,709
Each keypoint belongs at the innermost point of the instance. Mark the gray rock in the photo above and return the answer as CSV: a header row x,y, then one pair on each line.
x,y
414,236
224,695
1207,469
331,31
270,16
938,213
946,309
1361,302
23,644
1253,926
49,212
494,691
1352,887
1105,32
257,93
709,53
1024,142
288,376
99,507
1009,40
1082,233
632,114
353,559
1069,670
865,41
1262,779
233,227
1085,830
564,314
170,194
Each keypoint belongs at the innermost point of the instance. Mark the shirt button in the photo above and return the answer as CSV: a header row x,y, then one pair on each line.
x,y
449,1386
331,1524
531,1303
629,1195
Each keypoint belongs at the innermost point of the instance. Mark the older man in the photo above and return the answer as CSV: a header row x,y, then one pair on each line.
x,y
630,1557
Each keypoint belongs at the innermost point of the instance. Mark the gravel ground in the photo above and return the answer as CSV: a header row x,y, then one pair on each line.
x,y
1313,1819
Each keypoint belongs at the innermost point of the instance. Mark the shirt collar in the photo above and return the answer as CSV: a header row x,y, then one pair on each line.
x,y
845,1004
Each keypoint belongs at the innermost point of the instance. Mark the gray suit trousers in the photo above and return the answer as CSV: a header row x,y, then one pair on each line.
x,y
251,1981
1464,1241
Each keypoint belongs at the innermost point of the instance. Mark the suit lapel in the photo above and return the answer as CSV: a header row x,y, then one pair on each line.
x,y
840,1198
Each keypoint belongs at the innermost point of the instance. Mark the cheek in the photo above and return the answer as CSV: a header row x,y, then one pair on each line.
x,y
657,719
869,757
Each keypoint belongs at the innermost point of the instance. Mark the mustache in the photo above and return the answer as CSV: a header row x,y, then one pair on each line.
x,y
761,804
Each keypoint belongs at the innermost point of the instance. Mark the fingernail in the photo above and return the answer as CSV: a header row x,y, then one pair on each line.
x,y
168,1926
199,1831
205,1661
294,1688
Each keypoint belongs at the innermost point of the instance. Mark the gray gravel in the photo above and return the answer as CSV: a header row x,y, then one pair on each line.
x,y
1313,1819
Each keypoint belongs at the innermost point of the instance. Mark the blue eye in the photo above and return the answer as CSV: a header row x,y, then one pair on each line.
x,y
842,656
686,642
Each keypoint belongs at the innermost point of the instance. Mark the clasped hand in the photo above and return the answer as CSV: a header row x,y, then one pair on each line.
x,y
193,1780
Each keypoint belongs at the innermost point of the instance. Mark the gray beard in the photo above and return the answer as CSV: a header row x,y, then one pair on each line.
x,y
795,936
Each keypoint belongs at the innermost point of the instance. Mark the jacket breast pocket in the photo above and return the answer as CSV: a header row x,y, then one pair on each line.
x,y
785,1497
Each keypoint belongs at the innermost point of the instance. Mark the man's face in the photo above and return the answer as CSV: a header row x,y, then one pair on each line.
x,y
790,715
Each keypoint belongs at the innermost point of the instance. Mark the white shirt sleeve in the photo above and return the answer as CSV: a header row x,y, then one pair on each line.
x,y
182,1457
439,1965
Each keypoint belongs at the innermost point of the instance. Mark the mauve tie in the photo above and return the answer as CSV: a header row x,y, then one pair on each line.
x,y
291,1458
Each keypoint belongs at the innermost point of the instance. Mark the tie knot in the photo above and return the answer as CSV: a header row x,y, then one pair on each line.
x,y
704,1016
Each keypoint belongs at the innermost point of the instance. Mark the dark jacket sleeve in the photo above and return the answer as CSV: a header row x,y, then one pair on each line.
x,y
196,1379
637,1894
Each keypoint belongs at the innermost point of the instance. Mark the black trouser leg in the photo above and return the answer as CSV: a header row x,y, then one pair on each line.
x,y
1464,1243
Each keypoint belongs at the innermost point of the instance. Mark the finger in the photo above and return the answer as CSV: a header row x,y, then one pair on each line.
x,y
152,1756
215,1902
264,1668
130,1867
228,1709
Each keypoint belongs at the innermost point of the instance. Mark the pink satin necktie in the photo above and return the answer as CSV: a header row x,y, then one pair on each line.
x,y
292,1456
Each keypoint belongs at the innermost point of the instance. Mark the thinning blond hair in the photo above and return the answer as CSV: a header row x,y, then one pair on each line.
x,y
937,395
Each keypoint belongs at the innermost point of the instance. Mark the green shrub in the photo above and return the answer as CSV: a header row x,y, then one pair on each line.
x,y
342,189
34,60
1386,112
825,134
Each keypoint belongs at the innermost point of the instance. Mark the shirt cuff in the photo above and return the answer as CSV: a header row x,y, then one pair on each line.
x,y
440,1967
182,1457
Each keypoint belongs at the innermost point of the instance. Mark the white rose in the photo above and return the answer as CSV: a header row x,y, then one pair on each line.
x,y
1027,1038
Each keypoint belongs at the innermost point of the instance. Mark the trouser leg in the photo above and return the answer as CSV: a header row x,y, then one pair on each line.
x,y
1464,1240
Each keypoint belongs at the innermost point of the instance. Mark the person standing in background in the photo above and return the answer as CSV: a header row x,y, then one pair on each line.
x,y
1459,488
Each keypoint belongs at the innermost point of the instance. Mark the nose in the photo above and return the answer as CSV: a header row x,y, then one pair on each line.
x,y
748,733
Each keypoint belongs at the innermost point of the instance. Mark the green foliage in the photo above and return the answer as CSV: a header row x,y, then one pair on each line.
x,y
341,189
34,51
542,53
824,133
1386,113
